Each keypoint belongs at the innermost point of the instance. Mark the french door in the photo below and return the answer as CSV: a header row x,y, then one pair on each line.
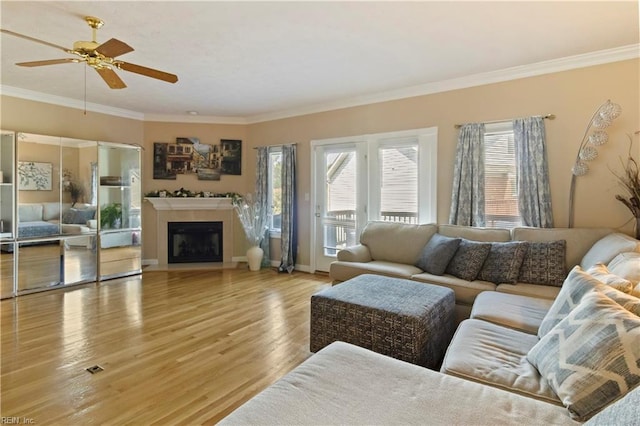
x,y
385,176
340,205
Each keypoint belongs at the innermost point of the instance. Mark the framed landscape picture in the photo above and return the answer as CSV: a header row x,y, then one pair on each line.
x,y
34,176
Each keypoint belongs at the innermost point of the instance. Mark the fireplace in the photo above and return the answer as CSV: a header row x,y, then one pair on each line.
x,y
194,242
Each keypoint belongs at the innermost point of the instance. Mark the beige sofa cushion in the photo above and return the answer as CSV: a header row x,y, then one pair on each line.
x,y
475,234
342,271
346,385
396,242
579,240
30,212
466,291
520,313
532,290
605,249
496,356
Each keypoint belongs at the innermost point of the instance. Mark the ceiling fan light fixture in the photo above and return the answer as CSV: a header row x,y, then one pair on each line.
x,y
99,56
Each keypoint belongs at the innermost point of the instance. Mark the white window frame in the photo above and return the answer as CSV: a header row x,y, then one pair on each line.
x,y
273,232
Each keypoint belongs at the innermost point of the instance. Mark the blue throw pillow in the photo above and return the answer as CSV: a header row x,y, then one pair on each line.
x,y
437,254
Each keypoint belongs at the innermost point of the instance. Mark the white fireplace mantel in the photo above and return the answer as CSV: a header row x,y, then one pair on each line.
x,y
192,209
190,203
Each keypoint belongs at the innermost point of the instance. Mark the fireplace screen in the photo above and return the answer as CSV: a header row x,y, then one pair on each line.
x,y
193,242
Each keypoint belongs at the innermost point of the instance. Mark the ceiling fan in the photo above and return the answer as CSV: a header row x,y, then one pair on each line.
x,y
100,57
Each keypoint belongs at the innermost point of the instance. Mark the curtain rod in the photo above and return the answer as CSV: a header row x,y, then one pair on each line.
x,y
547,117
275,146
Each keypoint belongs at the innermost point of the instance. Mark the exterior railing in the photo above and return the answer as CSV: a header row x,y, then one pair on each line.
x,y
340,227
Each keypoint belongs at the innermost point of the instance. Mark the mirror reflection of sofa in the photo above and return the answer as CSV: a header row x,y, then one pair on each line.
x,y
38,220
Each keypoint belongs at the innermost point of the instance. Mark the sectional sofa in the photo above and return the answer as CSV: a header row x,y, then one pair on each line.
x,y
570,357
395,249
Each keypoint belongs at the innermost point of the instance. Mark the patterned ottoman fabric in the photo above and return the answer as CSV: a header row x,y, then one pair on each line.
x,y
403,319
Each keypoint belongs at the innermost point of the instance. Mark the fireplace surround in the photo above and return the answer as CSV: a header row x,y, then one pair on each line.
x,y
191,210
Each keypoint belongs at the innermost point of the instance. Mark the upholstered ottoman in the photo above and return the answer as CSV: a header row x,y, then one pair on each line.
x,y
403,319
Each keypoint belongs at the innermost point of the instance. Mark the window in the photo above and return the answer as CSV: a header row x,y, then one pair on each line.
x,y
500,177
398,173
275,189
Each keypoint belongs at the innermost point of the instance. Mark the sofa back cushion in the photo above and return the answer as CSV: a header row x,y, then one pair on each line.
x,y
608,247
475,234
396,242
578,240
51,211
30,212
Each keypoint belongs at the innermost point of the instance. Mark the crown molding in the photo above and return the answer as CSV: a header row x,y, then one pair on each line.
x,y
205,119
31,95
617,54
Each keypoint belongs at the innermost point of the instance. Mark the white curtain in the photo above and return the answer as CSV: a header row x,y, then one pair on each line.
x,y
289,228
467,197
534,194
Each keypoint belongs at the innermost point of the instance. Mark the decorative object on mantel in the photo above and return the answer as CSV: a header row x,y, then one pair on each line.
x,y
190,157
630,181
255,223
184,193
594,135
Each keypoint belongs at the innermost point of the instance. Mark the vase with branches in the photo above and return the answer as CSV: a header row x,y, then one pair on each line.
x,y
72,186
255,223
629,180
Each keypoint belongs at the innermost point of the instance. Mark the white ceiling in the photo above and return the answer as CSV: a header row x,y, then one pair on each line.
x,y
248,61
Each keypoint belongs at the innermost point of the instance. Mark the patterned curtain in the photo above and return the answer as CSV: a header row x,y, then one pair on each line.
x,y
467,197
289,228
534,194
262,196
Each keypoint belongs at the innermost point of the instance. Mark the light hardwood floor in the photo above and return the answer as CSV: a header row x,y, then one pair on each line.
x,y
176,347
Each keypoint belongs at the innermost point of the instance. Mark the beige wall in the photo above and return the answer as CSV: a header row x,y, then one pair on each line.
x,y
571,95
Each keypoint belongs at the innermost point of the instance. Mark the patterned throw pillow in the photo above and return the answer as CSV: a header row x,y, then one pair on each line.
x,y
437,253
602,273
545,263
468,260
591,357
504,262
575,287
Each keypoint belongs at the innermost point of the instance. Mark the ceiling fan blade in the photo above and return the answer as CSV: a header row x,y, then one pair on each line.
x,y
149,72
47,62
113,48
26,37
111,78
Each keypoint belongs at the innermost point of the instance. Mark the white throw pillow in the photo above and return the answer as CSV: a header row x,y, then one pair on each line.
x,y
602,273
607,248
627,266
